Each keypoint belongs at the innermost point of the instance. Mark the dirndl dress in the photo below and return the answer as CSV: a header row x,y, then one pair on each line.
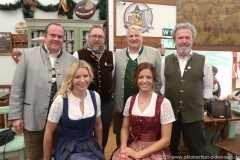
x,y
144,132
77,141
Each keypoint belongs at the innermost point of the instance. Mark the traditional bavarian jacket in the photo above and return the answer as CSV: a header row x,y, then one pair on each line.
x,y
102,70
185,91
123,62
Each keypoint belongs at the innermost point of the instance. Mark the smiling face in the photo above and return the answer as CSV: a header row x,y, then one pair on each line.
x,y
183,41
81,80
134,39
54,38
145,80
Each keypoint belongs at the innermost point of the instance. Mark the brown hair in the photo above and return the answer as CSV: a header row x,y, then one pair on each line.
x,y
55,24
215,70
141,67
158,45
98,26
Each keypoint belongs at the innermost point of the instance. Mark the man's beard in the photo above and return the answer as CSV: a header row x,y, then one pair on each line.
x,y
184,52
96,50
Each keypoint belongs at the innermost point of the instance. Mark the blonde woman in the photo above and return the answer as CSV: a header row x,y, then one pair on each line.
x,y
76,111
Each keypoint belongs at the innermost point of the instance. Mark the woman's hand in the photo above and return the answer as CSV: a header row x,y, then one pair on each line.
x,y
122,153
230,97
132,153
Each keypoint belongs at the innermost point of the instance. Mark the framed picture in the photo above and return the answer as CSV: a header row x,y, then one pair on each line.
x,y
5,43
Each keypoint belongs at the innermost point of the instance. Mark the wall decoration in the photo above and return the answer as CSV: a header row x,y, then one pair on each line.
x,y
216,21
32,3
21,28
85,9
5,42
28,13
138,14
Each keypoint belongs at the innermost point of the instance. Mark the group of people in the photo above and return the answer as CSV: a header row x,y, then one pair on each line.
x,y
63,104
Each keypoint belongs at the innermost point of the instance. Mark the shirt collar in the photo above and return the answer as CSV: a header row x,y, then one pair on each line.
x,y
137,52
56,54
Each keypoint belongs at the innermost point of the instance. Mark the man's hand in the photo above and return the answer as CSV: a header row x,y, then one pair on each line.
x,y
18,125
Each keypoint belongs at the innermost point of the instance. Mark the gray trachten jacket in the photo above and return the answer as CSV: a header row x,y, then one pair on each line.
x,y
31,86
150,55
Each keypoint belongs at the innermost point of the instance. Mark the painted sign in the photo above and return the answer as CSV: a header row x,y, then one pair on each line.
x,y
138,14
85,9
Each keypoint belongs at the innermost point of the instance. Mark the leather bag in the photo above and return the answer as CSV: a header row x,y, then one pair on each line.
x,y
6,136
218,108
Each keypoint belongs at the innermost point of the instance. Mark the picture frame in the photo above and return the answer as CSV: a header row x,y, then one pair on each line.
x,y
5,44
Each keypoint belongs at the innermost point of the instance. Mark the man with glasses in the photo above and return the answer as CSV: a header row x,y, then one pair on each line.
x,y
127,60
102,63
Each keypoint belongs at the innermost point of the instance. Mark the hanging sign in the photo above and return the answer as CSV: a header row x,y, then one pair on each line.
x,y
85,9
21,28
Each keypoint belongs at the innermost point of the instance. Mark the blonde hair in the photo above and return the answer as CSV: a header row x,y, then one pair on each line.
x,y
67,85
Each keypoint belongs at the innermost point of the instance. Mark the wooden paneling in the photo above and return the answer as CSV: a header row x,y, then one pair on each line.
x,y
20,40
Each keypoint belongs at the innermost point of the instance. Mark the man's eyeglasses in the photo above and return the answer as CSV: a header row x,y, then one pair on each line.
x,y
97,36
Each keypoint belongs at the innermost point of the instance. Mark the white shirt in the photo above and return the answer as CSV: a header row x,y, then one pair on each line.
x,y
74,111
207,79
52,58
133,56
75,54
166,116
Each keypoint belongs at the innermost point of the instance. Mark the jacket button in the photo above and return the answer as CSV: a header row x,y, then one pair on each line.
x,y
180,101
46,108
182,80
49,81
181,91
48,95
50,69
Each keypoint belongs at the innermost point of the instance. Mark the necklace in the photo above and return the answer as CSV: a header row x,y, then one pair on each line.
x,y
141,102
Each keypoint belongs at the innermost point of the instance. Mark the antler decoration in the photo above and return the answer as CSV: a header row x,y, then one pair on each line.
x,y
32,3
